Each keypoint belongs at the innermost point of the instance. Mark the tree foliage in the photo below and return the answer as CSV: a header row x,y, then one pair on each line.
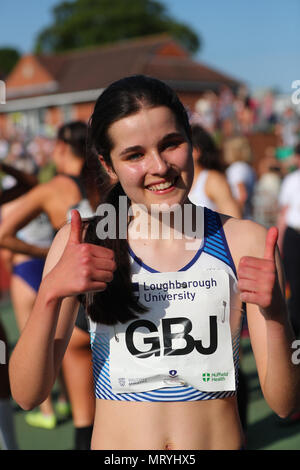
x,y
8,58
83,23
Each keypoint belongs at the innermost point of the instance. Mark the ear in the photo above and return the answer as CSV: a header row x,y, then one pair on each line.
x,y
109,169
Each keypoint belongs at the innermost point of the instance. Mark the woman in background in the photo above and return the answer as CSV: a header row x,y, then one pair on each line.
x,y
70,188
210,187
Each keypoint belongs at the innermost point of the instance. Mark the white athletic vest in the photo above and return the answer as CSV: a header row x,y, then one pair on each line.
x,y
38,232
198,195
185,348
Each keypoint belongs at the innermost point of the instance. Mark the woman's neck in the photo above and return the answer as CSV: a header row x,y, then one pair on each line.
x,y
165,227
72,166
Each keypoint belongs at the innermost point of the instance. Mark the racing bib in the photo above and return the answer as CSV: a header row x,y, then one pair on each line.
x,y
183,339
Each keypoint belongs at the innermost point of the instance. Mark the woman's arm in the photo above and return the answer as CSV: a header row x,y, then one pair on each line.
x,y
71,268
25,182
25,209
261,283
22,177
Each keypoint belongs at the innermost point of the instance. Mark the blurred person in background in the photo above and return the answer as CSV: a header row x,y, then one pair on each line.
x,y
210,187
206,112
290,128
25,271
289,244
8,440
289,238
240,174
267,188
23,182
70,188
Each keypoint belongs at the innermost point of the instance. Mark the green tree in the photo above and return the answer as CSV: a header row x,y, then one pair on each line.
x,y
83,23
8,58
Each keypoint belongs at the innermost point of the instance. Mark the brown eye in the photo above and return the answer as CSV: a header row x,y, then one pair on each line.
x,y
134,156
170,145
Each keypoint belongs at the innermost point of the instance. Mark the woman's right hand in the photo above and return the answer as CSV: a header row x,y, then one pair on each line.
x,y
83,267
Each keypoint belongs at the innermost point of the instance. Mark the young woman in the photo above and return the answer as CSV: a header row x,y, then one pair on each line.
x,y
162,295
210,187
39,212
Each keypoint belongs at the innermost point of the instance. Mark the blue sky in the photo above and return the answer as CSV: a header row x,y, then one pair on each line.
x,y
257,41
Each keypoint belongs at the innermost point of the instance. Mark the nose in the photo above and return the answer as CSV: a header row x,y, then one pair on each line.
x,y
158,165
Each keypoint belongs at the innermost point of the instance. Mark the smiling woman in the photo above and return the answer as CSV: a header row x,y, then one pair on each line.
x,y
171,360
158,170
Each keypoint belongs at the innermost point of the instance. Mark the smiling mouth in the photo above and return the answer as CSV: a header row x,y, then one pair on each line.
x,y
162,186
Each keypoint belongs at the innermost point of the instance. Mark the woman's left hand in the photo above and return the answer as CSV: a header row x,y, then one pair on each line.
x,y
257,278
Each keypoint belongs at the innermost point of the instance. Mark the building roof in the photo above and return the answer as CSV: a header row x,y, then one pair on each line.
x,y
93,69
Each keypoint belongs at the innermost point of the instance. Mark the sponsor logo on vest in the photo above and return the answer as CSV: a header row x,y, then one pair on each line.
x,y
122,382
164,346
214,376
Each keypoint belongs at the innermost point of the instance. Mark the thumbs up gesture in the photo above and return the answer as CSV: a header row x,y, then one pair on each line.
x,y
257,276
83,267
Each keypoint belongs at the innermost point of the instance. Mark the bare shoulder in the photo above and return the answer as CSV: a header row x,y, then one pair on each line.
x,y
244,237
215,176
215,181
59,181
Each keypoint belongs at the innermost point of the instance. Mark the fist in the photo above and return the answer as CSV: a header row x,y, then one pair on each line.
x,y
83,267
257,276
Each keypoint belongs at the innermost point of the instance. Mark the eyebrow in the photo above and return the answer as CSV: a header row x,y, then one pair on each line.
x,y
134,148
137,148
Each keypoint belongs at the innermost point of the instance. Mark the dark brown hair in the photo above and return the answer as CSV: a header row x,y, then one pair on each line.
x,y
75,135
210,156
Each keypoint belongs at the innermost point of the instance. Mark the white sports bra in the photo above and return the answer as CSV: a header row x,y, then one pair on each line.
x,y
198,195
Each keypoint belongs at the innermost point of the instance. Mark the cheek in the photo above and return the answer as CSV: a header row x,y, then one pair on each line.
x,y
184,160
131,176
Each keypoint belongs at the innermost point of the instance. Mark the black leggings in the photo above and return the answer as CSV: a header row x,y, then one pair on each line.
x,y
291,262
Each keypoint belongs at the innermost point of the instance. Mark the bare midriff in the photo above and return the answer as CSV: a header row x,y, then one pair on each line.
x,y
200,425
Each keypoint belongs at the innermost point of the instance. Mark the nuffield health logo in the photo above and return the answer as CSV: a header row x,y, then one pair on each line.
x,y
2,92
206,377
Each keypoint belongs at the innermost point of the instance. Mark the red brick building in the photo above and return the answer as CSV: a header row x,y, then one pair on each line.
x,y
43,91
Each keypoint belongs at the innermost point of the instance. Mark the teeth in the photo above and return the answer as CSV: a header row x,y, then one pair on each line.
x,y
161,186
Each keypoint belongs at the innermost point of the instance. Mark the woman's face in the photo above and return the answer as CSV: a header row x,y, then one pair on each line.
x,y
57,154
152,157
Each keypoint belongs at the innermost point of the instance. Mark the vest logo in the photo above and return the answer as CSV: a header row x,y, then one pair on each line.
x,y
172,373
214,376
162,345
122,382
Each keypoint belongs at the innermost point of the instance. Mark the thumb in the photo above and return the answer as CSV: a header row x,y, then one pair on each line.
x,y
76,228
271,241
